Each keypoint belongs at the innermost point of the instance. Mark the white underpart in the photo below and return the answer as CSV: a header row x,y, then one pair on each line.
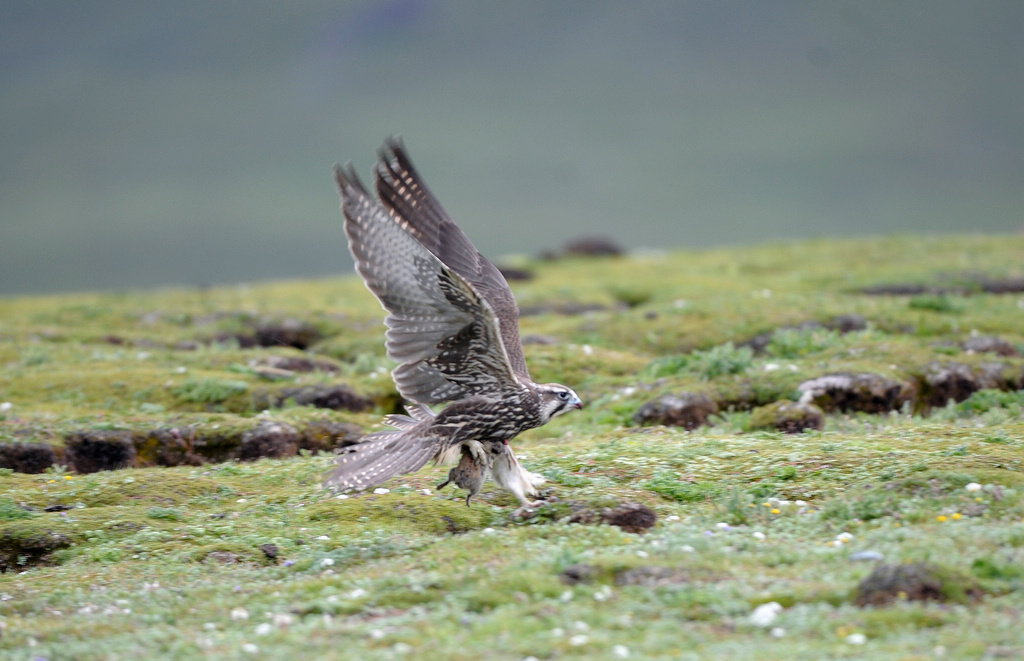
x,y
510,474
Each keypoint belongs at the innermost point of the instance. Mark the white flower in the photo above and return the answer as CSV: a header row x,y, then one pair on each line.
x,y
342,496
602,593
263,629
620,652
771,367
641,554
856,639
401,648
759,536
722,525
777,632
381,490
580,626
358,593
558,632
283,619
587,350
425,492
326,562
181,370
209,626
579,639
765,614
672,517
566,596
240,500
323,538
6,406
250,648
973,486
686,548
844,537
239,613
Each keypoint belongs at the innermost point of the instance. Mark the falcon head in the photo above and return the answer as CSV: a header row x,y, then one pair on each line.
x,y
556,399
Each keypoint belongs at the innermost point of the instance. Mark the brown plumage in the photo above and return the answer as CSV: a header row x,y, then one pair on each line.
x,y
453,329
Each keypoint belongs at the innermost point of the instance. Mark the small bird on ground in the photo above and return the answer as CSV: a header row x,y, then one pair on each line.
x,y
453,329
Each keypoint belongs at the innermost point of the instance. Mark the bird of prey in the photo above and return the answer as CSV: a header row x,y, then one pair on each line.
x,y
453,329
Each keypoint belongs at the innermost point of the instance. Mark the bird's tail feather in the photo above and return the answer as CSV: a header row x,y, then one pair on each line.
x,y
378,458
417,414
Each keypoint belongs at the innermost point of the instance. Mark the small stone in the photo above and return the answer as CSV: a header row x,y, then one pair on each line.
x,y
687,410
788,417
765,614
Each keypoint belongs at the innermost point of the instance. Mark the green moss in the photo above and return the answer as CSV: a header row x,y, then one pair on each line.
x,y
406,568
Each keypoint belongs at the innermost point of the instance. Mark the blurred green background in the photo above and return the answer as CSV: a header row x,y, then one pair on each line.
x,y
191,143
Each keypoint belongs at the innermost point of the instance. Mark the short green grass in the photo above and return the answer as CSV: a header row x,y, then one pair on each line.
x,y
169,562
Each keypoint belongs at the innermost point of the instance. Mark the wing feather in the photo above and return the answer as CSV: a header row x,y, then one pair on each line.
x,y
444,335
402,191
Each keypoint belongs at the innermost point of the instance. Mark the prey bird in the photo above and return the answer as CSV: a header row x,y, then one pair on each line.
x,y
453,329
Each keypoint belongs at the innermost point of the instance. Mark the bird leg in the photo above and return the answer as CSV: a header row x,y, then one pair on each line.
x,y
510,474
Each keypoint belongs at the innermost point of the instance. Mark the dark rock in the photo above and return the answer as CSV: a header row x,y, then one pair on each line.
x,y
1007,286
847,323
269,439
592,247
918,581
328,435
568,309
898,290
27,457
990,344
513,274
579,573
788,417
325,396
18,552
688,410
297,364
290,332
630,517
58,508
941,383
269,550
846,391
99,450
166,447
968,285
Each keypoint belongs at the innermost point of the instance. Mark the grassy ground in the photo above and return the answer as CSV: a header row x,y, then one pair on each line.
x,y
174,562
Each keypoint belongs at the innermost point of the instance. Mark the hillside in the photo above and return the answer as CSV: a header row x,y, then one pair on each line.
x,y
831,426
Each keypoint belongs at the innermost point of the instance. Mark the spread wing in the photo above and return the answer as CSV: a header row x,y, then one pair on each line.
x,y
444,335
403,192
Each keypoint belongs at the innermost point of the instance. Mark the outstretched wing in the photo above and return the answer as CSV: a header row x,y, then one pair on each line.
x,y
444,335
404,193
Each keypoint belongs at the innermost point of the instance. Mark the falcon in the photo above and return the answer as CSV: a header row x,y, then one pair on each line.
x,y
453,329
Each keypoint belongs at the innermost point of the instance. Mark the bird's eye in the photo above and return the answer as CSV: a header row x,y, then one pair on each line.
x,y
564,396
